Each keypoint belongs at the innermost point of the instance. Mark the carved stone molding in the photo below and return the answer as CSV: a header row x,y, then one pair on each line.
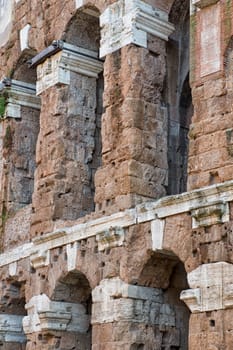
x,y
6,7
204,3
212,288
115,300
17,94
40,258
11,329
47,315
57,65
128,22
210,215
72,251
148,212
112,237
24,37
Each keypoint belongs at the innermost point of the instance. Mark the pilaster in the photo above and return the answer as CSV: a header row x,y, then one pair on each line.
x,y
56,67
20,108
211,303
129,22
211,61
67,83
11,329
47,315
134,153
140,311
212,288
16,94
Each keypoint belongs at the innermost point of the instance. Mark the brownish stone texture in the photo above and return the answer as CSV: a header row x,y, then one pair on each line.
x,y
65,161
130,168
133,128
208,330
57,340
128,336
210,151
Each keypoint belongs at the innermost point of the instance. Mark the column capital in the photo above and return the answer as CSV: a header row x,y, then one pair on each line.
x,y
212,288
128,22
11,329
203,3
56,62
116,301
47,315
15,94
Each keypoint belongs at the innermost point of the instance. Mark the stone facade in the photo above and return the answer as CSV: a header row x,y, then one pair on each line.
x,y
116,187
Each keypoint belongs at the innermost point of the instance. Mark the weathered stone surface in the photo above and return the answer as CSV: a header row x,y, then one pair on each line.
x,y
212,288
92,236
47,315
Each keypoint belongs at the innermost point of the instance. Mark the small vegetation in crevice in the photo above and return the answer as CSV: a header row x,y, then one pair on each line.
x,y
8,138
2,106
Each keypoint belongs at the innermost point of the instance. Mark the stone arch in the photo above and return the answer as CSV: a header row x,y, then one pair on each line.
x,y
74,289
12,311
21,70
62,318
73,145
19,128
166,274
178,97
86,21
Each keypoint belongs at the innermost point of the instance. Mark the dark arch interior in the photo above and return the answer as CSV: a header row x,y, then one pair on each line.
x,y
21,71
178,97
88,26
168,274
75,288
83,30
13,297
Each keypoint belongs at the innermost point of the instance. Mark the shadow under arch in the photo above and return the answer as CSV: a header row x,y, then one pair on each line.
x,y
12,311
85,22
21,123
21,70
167,273
74,288
178,97
228,57
83,30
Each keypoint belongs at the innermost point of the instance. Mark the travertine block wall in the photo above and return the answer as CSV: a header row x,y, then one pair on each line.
x,y
19,131
113,263
210,156
135,169
134,125
64,179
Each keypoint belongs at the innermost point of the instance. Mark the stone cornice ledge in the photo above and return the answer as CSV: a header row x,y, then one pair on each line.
x,y
128,22
55,67
212,288
206,197
18,94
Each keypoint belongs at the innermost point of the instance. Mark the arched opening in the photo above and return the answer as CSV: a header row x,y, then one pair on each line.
x,y
60,320
12,311
167,275
21,71
89,108
74,291
19,126
83,29
69,139
178,97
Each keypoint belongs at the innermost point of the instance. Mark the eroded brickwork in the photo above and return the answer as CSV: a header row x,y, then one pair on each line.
x,y
110,116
